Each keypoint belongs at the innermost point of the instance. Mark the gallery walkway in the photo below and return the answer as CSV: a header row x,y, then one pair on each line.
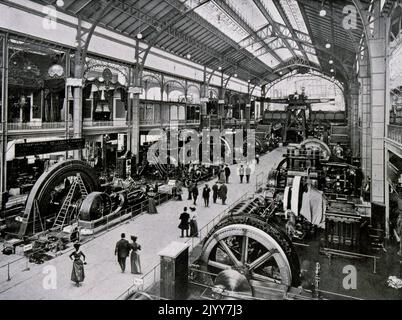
x,y
104,279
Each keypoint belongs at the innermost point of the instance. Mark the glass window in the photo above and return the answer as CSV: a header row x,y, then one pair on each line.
x,y
36,85
193,94
174,90
120,109
157,113
1,76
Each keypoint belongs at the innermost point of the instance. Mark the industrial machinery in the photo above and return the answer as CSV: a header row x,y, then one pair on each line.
x,y
248,256
320,199
56,194
298,111
67,192
250,242
172,159
311,160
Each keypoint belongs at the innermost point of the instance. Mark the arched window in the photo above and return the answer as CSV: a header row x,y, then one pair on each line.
x,y
396,24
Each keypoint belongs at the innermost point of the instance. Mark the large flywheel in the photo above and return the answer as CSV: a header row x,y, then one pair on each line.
x,y
258,250
52,182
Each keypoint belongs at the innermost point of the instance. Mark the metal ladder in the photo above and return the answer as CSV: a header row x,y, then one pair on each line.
x,y
63,213
83,189
37,218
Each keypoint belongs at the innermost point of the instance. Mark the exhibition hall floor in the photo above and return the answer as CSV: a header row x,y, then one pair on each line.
x,y
103,277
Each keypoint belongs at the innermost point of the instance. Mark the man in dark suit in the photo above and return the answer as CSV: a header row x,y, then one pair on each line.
x,y
195,193
185,222
248,173
227,173
190,187
223,193
206,194
122,251
215,191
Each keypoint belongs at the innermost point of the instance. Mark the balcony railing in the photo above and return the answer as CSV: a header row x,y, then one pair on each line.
x,y
33,126
395,133
28,126
104,124
168,123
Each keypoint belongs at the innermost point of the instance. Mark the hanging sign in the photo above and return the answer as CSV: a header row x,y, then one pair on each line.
x,y
73,82
46,147
135,90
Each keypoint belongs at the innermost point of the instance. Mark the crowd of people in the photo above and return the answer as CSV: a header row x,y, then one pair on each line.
x,y
188,220
219,191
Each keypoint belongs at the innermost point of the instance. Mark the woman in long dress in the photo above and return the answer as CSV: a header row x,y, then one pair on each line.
x,y
151,203
135,256
193,223
77,275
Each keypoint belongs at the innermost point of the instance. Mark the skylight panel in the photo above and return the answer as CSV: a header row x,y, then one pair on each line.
x,y
313,59
221,20
269,60
272,10
284,53
294,15
248,12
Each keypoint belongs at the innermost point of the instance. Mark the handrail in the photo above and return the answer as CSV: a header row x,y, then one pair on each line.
x,y
191,242
109,123
138,209
35,126
395,132
168,122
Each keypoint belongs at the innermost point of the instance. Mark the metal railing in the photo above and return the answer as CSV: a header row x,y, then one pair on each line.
x,y
21,264
150,279
168,123
26,126
395,133
103,124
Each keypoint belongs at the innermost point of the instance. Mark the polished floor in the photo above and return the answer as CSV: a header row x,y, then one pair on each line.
x,y
104,279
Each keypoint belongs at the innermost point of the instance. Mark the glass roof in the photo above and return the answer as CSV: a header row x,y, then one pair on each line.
x,y
313,59
293,13
272,10
269,60
247,11
284,53
221,20
316,88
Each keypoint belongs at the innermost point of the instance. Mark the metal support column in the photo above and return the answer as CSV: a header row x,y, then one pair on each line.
x,y
77,104
248,107
129,111
135,126
4,115
221,102
204,99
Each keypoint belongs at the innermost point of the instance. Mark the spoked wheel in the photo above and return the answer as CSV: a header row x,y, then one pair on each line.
x,y
256,249
250,251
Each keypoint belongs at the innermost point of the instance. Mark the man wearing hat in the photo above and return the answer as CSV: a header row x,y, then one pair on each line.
x,y
223,192
184,222
215,191
122,251
206,194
